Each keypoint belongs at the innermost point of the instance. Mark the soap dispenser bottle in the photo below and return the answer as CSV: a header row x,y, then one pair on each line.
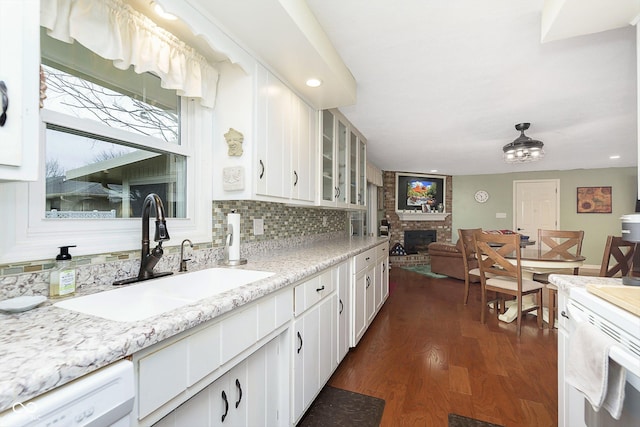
x,y
62,279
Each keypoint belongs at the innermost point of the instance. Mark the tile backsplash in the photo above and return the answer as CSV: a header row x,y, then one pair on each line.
x,y
284,226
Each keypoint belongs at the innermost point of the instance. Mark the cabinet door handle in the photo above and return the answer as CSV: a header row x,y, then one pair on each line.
x,y
261,169
299,339
295,182
321,288
341,306
239,387
564,314
384,267
368,282
226,405
5,103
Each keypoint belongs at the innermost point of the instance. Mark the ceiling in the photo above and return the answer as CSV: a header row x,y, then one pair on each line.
x,y
439,85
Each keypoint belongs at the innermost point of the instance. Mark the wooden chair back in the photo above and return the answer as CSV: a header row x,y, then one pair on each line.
x,y
504,275
492,250
563,243
468,249
621,252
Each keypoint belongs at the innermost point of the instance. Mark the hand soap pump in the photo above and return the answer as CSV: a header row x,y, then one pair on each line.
x,y
62,279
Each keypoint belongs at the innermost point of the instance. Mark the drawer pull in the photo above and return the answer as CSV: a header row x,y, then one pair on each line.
x,y
320,288
226,405
367,258
300,339
239,387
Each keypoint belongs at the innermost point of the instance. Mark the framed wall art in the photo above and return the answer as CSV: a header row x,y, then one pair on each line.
x,y
594,199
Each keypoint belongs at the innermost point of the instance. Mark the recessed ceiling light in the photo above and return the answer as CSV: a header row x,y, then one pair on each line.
x,y
314,82
614,157
162,14
434,170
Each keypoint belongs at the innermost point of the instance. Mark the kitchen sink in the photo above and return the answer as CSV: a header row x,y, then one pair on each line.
x,y
153,297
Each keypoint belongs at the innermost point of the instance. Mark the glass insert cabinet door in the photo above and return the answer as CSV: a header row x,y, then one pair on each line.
x,y
341,196
354,194
362,181
328,139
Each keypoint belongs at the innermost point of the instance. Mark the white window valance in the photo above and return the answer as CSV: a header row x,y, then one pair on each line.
x,y
117,32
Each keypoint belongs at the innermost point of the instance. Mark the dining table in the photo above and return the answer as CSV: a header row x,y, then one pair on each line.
x,y
535,260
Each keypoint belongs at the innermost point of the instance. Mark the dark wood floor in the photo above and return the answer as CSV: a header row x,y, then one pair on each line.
x,y
427,355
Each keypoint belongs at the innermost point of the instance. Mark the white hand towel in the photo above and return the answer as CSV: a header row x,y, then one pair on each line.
x,y
591,371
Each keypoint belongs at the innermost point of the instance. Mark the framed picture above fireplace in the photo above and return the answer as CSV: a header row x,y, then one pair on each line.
x,y
420,197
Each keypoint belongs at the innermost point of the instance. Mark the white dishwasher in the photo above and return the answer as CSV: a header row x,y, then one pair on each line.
x,y
103,398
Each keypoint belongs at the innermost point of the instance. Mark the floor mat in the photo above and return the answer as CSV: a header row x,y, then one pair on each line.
x,y
425,270
337,407
460,421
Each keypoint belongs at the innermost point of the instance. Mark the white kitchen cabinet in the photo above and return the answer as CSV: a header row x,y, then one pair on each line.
x,y
286,149
249,394
314,339
357,169
362,293
570,405
342,153
228,398
334,166
171,373
382,275
369,288
19,72
303,151
343,283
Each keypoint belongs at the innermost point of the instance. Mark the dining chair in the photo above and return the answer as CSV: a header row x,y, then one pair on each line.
x,y
468,249
621,252
552,243
504,276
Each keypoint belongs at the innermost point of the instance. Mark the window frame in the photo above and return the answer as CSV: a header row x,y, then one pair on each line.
x,y
28,236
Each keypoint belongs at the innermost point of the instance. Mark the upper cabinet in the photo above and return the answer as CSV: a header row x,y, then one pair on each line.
x,y
19,97
285,149
342,154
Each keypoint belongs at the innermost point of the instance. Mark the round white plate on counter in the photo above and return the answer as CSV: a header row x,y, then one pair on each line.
x,y
23,303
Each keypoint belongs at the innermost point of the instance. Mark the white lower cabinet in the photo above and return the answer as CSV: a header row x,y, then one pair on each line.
x,y
315,343
263,363
250,394
382,276
229,355
369,288
342,279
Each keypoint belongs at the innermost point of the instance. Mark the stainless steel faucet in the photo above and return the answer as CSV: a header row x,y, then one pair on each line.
x,y
149,258
183,260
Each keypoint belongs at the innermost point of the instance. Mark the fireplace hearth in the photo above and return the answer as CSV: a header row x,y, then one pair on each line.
x,y
417,241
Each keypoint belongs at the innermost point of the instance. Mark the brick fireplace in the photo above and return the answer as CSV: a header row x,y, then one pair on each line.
x,y
398,227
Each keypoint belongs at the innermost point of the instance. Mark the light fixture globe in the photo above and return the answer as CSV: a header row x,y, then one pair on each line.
x,y
523,149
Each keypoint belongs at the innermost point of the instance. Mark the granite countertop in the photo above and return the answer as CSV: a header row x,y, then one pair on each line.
x,y
49,346
564,282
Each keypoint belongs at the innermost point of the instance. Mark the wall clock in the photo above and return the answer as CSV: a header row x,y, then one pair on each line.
x,y
481,196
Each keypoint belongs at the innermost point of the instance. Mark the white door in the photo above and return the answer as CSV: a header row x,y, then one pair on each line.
x,y
536,206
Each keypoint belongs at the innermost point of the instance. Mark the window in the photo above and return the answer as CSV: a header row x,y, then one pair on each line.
x,y
108,138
